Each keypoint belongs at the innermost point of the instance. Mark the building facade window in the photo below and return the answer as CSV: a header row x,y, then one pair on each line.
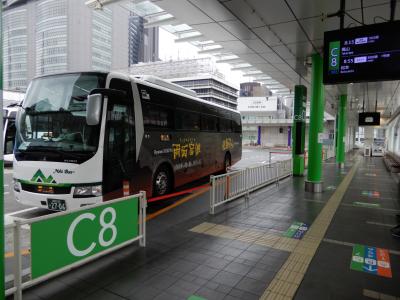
x,y
15,49
101,39
51,37
136,38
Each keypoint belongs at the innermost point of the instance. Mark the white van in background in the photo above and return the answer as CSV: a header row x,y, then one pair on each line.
x,y
11,103
9,114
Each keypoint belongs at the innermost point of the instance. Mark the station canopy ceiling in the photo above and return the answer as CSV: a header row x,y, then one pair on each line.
x,y
270,40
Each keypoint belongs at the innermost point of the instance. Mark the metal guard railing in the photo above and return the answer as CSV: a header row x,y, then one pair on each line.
x,y
17,225
238,183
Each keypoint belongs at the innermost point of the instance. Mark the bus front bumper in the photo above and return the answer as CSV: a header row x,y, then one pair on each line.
x,y
41,200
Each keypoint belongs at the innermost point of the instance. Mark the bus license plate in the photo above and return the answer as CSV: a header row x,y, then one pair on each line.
x,y
56,204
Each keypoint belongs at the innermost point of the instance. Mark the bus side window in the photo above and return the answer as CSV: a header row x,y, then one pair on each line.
x,y
225,125
236,123
186,120
209,123
156,116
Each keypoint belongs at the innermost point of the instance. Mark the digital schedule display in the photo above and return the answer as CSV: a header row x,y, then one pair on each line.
x,y
359,54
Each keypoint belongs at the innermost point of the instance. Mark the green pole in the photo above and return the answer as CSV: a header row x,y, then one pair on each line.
x,y
317,106
341,132
2,290
336,132
299,129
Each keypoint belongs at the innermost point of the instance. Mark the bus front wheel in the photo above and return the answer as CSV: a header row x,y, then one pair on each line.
x,y
162,181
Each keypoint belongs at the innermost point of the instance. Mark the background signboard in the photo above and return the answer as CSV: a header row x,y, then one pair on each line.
x,y
257,104
365,53
66,239
369,119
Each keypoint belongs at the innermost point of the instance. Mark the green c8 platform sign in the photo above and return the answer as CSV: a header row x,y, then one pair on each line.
x,y
334,57
60,241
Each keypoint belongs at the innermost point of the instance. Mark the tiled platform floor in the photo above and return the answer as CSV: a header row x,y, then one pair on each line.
x,y
245,250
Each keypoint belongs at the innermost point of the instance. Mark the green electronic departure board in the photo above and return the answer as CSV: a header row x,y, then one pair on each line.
x,y
365,53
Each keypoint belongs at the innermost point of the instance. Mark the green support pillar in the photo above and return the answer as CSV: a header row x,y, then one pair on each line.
x,y
317,107
341,131
299,129
336,129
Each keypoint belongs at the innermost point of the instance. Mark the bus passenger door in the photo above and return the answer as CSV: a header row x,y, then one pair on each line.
x,y
119,144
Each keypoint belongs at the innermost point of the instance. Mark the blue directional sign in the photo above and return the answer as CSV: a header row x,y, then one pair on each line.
x,y
296,230
371,260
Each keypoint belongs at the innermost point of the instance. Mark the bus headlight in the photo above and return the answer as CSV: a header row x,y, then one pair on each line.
x,y
16,184
88,191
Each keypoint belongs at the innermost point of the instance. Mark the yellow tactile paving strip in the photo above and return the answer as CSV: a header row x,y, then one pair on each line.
x,y
289,277
250,236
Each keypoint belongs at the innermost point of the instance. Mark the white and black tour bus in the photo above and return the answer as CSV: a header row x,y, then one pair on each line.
x,y
81,136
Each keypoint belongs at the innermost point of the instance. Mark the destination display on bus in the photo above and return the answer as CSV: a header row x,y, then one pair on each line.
x,y
365,53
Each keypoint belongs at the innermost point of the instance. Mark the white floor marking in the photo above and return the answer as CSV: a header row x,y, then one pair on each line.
x,y
371,207
380,224
395,252
376,295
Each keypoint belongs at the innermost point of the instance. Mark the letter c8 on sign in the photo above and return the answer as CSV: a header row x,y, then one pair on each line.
x,y
61,241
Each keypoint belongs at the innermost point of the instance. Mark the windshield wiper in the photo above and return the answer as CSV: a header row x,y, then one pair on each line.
x,y
34,112
41,148
79,98
81,88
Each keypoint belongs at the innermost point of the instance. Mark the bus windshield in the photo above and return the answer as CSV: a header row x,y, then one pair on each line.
x,y
53,116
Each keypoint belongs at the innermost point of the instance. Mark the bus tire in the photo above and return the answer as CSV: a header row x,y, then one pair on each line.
x,y
162,182
227,162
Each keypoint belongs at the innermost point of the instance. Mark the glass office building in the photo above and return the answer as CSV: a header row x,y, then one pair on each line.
x,y
143,42
50,36
15,48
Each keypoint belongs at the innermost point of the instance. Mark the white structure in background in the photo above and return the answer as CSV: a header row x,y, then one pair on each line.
x,y
373,138
200,75
265,121
393,135
10,97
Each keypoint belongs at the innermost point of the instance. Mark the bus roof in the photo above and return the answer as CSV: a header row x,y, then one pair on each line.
x,y
155,82
71,73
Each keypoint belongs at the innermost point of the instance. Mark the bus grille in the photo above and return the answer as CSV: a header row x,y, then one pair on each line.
x,y
42,189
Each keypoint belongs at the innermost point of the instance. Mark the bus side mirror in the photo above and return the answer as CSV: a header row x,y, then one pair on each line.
x,y
93,109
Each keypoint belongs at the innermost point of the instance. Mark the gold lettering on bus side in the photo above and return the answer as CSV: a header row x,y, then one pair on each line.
x,y
227,144
184,151
191,149
198,149
176,150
